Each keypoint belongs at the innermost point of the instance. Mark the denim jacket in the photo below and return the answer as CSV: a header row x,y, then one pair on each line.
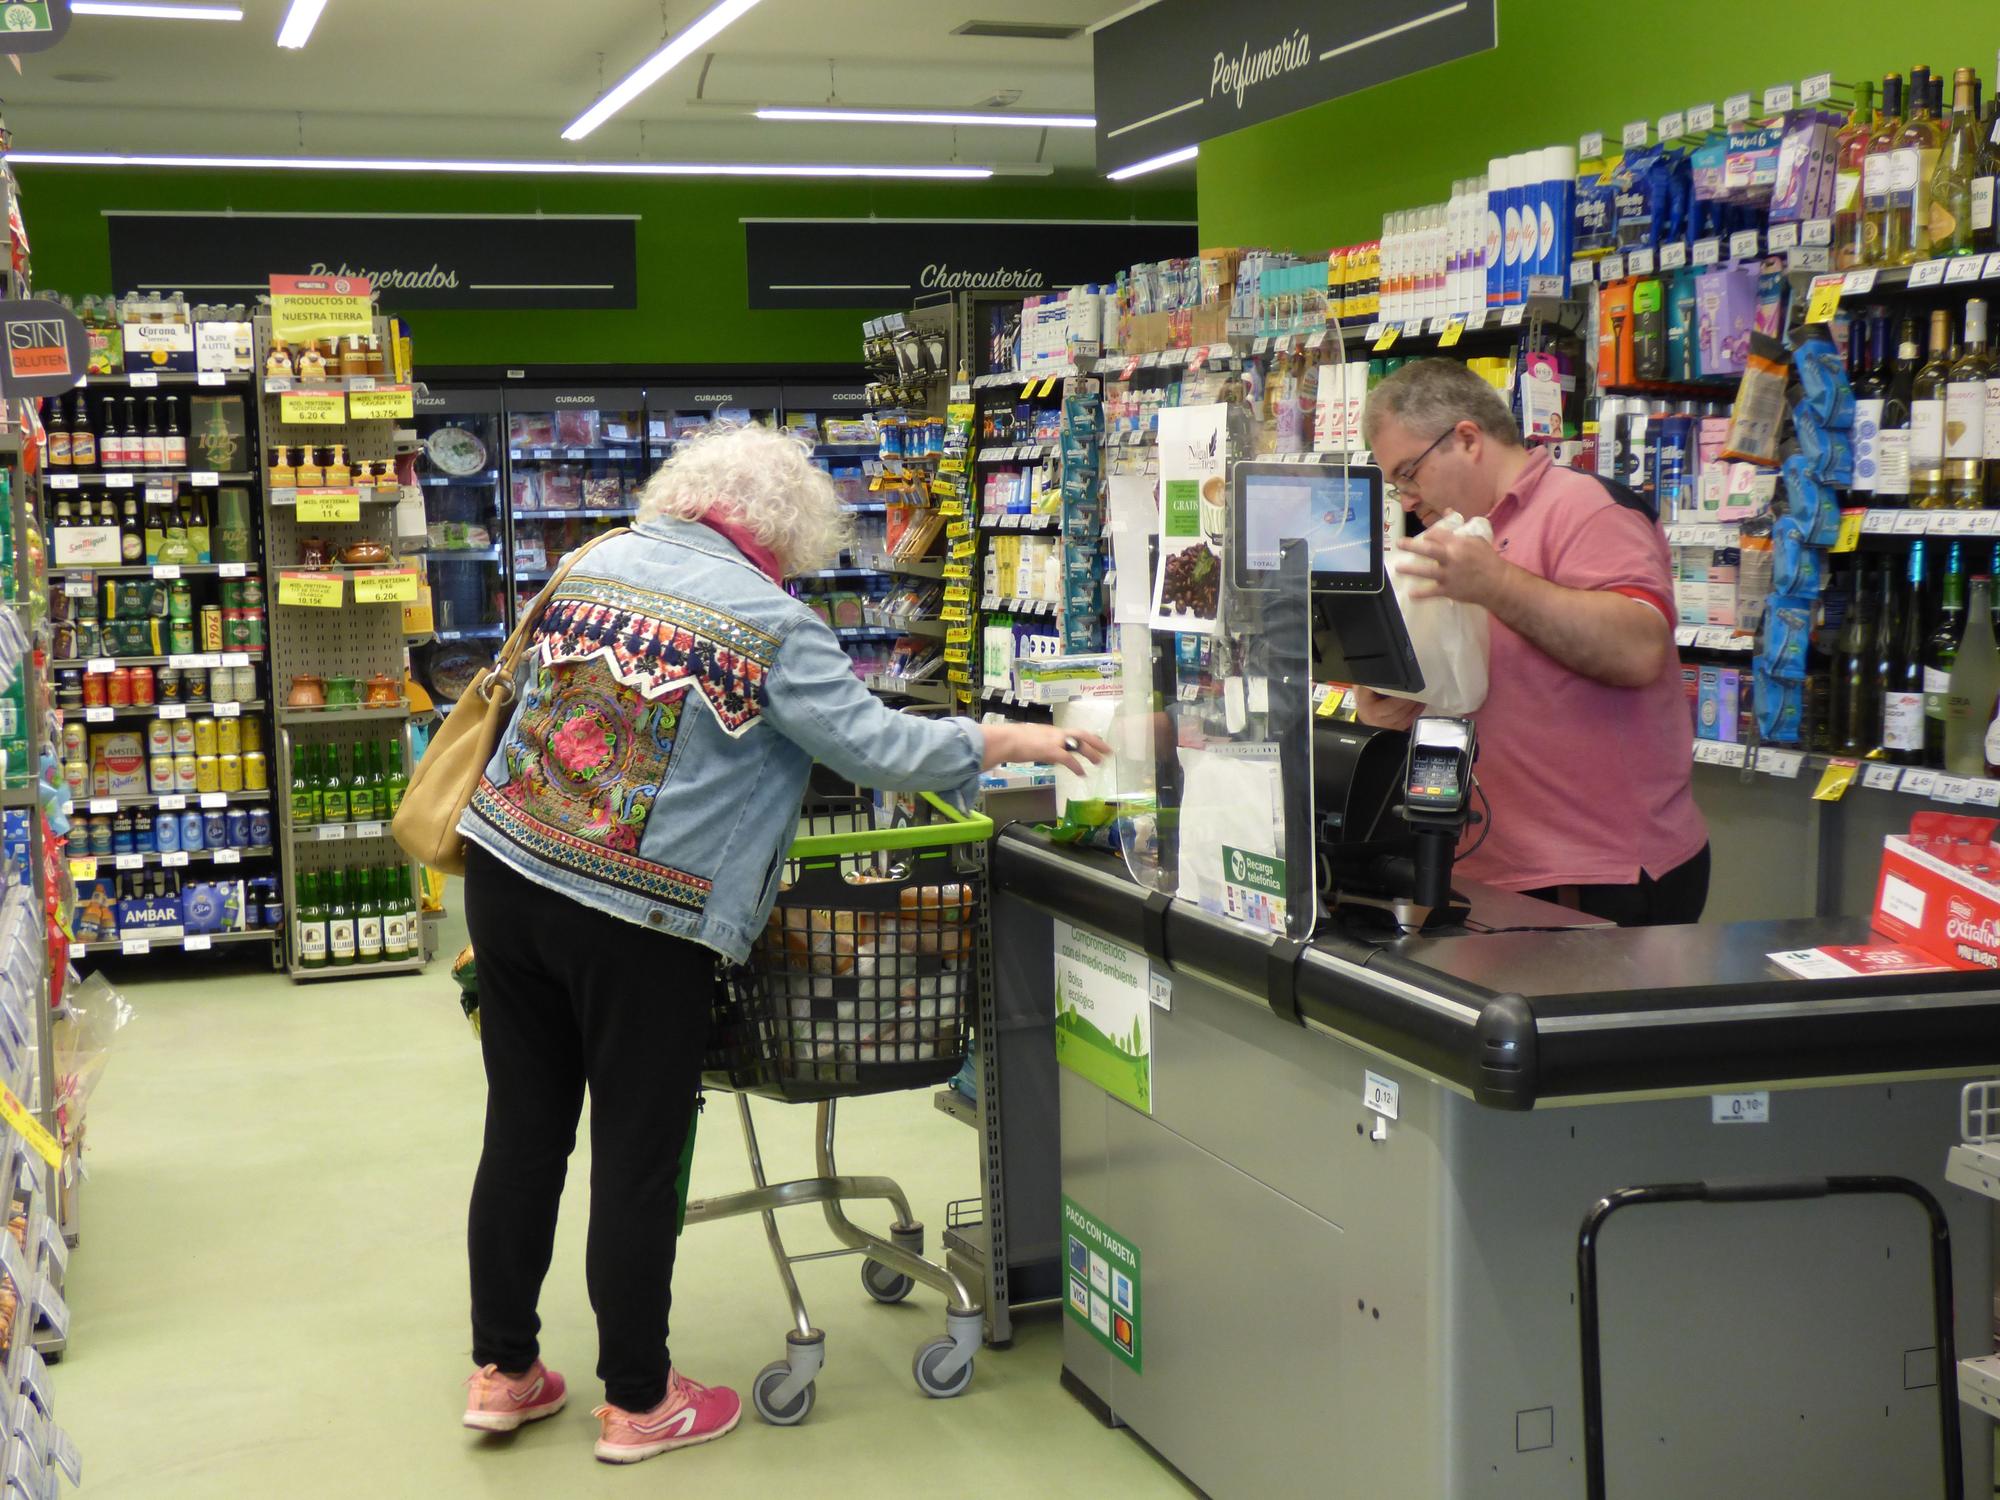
x,y
671,704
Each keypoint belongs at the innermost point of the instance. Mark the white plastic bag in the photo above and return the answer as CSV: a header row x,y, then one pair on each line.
x,y
1450,637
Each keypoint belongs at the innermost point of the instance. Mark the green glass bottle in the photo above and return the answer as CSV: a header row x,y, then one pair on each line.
x,y
339,924
333,801
398,782
378,778
360,789
413,918
311,924
367,918
305,805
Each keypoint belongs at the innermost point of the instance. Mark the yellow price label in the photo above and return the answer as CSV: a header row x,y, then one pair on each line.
x,y
312,408
1452,331
31,1130
958,529
384,403
1028,391
393,587
83,869
1049,385
329,505
1330,704
941,487
1387,338
964,549
953,507
958,570
1825,299
951,466
955,612
959,657
312,590
1851,522
1836,779
875,484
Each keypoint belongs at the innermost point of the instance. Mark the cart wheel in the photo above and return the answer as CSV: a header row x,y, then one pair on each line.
x,y
883,1284
768,1380
929,1357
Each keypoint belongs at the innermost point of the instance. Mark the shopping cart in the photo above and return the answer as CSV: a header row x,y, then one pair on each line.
x,y
863,982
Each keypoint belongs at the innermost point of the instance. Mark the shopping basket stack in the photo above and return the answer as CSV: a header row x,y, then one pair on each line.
x,y
864,981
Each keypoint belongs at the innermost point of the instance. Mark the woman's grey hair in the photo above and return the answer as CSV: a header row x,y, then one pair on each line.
x,y
763,479
1431,396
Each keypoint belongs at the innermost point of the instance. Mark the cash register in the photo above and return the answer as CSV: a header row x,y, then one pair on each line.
x,y
1390,805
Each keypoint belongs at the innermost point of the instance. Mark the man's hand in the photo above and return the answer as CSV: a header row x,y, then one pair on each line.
x,y
1451,565
1378,711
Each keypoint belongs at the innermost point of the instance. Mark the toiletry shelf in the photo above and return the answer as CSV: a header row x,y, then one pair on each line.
x,y
995,604
1017,522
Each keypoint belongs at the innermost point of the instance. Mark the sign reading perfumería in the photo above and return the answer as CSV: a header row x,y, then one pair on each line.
x,y
1184,71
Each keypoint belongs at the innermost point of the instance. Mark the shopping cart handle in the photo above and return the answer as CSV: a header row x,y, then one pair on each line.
x,y
962,828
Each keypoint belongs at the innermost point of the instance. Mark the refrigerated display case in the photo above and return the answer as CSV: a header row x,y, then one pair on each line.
x,y
459,466
675,411
576,461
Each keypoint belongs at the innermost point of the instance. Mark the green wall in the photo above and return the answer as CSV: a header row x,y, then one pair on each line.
x,y
1325,176
693,298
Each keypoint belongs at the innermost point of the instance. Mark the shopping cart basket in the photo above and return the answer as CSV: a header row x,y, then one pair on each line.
x,y
863,982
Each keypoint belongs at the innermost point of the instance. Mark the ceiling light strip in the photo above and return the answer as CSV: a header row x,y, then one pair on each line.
x,y
1154,163
513,168
928,117
653,69
299,22
139,10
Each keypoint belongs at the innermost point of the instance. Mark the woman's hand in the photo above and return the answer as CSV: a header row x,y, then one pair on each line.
x,y
1379,711
1044,744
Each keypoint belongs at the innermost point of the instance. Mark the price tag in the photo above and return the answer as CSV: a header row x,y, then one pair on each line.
x,y
1413,328
1879,777
312,409
1817,88
1782,763
1927,273
1735,109
229,710
1635,134
97,715
1743,245
1993,266
118,481
1732,755
233,659
196,942
368,830
174,860
1581,272
332,833
1919,783
385,588
1963,268
1373,332
541,453
1857,283
1707,252
1453,330
1510,317
1673,125
361,382
215,799
1712,637
232,570
1950,789
1383,1095
1879,523
1850,530
1816,232
229,856
1740,1109
145,380
312,590
329,505
1835,780
62,481
1982,522
1983,793
173,710
1825,298
1701,118
135,947
173,802
1590,147
1782,237
1611,268
1640,262
1261,346
277,384
104,804
166,570
211,377
83,867
1316,338
1476,319
1684,635
1387,338
130,861
1910,523
1947,523
1777,98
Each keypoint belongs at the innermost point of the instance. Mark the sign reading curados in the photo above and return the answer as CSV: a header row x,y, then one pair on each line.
x,y
1184,71
415,261
878,263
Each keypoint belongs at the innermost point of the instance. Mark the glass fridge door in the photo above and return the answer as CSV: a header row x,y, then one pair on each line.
x,y
674,413
459,469
576,461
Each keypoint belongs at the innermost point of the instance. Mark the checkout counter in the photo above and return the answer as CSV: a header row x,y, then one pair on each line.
x,y
1350,1210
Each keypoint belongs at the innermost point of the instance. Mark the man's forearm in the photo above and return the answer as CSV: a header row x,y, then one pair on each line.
x,y
1609,638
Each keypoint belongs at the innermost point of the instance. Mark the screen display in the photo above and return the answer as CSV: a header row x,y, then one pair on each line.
x,y
1334,513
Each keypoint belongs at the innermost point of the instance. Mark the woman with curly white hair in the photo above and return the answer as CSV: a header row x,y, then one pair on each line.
x,y
630,827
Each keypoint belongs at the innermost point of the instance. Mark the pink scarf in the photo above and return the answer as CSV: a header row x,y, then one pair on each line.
x,y
725,524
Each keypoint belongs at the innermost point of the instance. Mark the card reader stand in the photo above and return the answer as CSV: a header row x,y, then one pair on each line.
x,y
1390,815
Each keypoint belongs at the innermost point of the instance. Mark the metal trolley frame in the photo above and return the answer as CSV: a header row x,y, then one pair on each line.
x,y
865,982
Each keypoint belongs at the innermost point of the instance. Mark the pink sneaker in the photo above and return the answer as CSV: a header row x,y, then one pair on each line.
x,y
690,1414
501,1403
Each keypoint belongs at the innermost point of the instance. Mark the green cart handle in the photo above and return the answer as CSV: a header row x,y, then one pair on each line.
x,y
963,828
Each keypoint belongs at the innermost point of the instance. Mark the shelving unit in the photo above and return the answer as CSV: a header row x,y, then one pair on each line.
x,y
560,495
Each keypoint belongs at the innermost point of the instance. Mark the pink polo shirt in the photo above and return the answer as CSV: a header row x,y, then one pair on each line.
x,y
1589,784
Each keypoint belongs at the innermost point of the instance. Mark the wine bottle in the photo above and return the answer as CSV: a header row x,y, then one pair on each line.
x,y
1887,641
1903,687
1892,441
1872,368
1855,713
82,441
339,924
1940,653
1974,686
1986,184
1875,171
1850,214
1910,170
311,923
1965,414
1959,155
1927,418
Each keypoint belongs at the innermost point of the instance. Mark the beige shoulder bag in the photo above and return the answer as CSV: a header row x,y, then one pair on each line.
x,y
426,825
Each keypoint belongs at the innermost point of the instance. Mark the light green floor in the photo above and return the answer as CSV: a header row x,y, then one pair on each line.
x,y
270,1291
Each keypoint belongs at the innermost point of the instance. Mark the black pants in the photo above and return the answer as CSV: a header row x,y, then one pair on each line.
x,y
567,997
1677,897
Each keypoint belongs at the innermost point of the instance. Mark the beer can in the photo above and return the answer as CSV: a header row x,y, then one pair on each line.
x,y
142,687
94,689
205,737
76,741
228,736
118,687
256,771
215,828
195,685
160,738
180,637
243,684
253,734
160,773
229,771
184,772
260,827
238,822
184,743
191,831
207,774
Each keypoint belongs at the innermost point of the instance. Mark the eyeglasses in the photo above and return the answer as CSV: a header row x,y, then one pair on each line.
x,y
1406,476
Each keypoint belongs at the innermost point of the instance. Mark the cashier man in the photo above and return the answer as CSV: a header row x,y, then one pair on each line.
x,y
1585,741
